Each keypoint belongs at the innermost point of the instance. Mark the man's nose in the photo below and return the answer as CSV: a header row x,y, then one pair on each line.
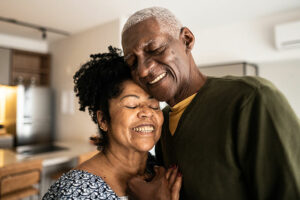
x,y
145,66
145,112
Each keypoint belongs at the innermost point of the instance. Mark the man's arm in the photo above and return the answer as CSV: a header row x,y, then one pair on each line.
x,y
268,146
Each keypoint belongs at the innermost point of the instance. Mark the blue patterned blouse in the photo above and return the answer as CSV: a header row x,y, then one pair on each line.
x,y
78,184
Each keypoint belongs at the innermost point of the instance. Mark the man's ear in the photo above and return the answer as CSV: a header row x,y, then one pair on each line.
x,y
102,121
187,37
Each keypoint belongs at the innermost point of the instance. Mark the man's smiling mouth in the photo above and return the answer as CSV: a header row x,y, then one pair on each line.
x,y
158,78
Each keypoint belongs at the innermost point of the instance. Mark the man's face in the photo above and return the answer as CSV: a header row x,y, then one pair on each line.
x,y
159,63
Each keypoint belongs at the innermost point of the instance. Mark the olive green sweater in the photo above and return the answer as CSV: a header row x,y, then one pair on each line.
x,y
238,139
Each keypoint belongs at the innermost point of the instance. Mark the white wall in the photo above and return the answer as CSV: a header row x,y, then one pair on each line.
x,y
245,41
67,55
286,76
15,42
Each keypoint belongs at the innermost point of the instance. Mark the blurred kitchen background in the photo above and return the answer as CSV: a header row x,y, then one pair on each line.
x,y
43,43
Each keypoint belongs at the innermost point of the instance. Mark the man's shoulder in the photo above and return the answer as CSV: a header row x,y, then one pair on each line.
x,y
253,82
244,83
235,89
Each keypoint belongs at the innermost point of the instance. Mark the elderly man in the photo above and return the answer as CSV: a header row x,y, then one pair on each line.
x,y
231,137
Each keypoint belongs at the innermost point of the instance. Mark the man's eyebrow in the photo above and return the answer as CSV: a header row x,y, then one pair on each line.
x,y
140,47
147,43
127,56
130,95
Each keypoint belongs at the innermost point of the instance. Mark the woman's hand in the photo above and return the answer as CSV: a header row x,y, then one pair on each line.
x,y
164,186
174,178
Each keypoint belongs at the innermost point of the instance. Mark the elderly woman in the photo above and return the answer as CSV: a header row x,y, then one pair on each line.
x,y
129,122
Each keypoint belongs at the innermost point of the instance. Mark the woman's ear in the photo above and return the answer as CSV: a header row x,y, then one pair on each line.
x,y
188,38
101,121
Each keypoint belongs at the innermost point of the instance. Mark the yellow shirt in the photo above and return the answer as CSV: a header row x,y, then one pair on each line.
x,y
176,112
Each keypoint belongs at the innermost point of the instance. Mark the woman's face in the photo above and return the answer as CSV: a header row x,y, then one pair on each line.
x,y
136,119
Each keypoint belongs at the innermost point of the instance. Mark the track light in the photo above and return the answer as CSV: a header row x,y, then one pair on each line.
x,y
44,30
44,35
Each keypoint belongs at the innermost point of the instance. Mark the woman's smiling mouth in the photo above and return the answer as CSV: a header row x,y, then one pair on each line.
x,y
144,129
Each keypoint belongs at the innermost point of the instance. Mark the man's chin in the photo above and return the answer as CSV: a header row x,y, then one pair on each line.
x,y
161,97
162,91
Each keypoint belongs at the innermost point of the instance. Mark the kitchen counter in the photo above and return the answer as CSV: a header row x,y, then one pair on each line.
x,y
52,162
73,149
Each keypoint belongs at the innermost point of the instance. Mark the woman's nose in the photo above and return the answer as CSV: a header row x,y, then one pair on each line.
x,y
144,112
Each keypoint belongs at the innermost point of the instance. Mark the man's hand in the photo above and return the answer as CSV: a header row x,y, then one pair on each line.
x,y
164,186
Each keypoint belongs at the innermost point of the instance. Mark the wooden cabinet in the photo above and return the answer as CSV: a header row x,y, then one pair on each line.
x,y
4,66
30,68
20,180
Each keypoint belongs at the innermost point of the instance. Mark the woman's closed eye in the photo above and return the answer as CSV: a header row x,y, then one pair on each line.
x,y
131,106
153,104
134,106
154,107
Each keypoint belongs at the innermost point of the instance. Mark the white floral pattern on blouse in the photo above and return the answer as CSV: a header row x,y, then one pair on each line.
x,y
78,184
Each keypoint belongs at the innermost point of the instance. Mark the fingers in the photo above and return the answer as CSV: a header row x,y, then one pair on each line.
x,y
175,190
170,170
172,176
168,173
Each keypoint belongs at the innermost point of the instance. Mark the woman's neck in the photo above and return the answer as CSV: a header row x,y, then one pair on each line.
x,y
126,163
117,167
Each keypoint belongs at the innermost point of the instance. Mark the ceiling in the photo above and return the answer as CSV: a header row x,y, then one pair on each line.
x,y
74,16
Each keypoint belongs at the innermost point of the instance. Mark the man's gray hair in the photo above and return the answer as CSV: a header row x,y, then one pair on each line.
x,y
165,18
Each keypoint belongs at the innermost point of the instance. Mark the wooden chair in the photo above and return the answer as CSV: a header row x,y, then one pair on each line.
x,y
20,180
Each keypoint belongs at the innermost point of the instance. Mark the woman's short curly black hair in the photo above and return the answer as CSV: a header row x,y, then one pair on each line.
x,y
99,80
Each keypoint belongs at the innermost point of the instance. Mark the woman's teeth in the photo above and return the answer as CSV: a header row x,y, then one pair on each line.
x,y
144,129
158,78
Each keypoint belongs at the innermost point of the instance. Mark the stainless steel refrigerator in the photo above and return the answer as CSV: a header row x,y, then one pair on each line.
x,y
34,123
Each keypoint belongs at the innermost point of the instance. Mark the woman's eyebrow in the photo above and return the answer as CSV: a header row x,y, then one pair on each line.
x,y
130,95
